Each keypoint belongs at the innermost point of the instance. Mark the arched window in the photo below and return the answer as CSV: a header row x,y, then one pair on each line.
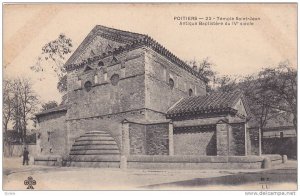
x,y
88,86
115,79
100,64
190,92
171,83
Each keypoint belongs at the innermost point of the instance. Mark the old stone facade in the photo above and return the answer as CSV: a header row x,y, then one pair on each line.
x,y
128,95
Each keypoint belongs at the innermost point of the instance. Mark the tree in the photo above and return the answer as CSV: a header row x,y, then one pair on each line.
x,y
8,98
205,69
281,81
25,104
7,111
53,57
225,83
258,99
49,105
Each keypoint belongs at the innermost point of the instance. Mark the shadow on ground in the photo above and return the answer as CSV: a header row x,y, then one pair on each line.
x,y
268,177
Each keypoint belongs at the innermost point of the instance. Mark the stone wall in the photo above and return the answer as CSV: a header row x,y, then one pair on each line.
x,y
222,139
104,97
109,123
201,162
149,139
157,139
160,96
53,134
106,105
137,139
237,139
199,142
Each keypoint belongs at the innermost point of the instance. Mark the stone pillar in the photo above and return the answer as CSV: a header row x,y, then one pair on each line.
x,y
68,141
259,142
222,139
246,142
284,158
125,151
171,139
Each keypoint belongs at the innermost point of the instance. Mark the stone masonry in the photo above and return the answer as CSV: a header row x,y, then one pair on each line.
x,y
124,85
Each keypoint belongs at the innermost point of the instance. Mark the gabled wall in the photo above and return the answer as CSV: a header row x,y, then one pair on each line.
x,y
105,98
106,105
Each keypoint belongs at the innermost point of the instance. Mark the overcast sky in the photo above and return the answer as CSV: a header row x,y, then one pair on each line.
x,y
236,50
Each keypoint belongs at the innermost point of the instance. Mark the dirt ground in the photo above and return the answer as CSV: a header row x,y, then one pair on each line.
x,y
281,177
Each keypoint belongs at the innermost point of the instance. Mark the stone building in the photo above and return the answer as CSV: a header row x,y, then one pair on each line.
x,y
128,95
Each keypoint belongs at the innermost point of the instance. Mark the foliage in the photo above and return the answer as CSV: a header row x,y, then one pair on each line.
x,y
281,83
8,98
225,83
205,69
20,104
53,57
270,92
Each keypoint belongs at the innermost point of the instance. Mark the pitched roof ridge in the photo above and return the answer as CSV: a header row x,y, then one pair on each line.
x,y
118,30
174,105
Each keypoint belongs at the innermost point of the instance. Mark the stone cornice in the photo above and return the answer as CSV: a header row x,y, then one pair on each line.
x,y
194,129
205,112
145,41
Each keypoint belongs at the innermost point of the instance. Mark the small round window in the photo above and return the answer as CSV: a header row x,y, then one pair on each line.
x,y
190,92
115,79
88,86
171,83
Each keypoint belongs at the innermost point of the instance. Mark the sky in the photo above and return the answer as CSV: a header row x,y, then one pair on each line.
x,y
235,50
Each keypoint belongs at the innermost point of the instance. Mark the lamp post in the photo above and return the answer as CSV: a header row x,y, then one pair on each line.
x,y
259,141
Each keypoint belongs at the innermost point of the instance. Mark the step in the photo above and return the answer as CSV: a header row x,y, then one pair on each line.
x,y
92,142
106,151
95,139
90,153
95,147
104,158
95,132
95,164
95,135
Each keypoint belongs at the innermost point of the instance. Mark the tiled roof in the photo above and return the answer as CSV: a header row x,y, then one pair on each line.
x,y
53,110
132,40
215,102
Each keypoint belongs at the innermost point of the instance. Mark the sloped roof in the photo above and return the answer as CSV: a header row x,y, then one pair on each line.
x,y
132,41
60,108
215,102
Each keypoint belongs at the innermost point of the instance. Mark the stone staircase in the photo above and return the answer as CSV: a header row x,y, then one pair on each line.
x,y
95,149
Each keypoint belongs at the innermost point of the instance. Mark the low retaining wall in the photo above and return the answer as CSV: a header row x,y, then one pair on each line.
x,y
174,162
202,162
52,160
